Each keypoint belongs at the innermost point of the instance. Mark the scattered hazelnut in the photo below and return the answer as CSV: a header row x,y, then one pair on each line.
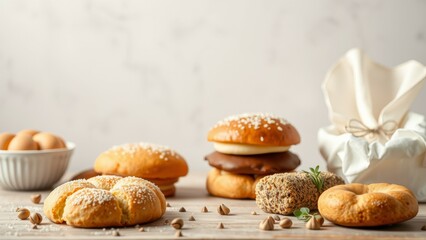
x,y
115,233
182,209
223,210
220,226
141,229
178,233
320,219
168,204
36,218
166,221
313,224
36,198
286,223
23,213
253,213
266,224
177,223
277,218
271,219
204,209
191,218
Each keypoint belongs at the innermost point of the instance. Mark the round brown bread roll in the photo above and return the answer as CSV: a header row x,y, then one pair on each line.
x,y
225,184
359,205
254,129
105,201
259,164
145,160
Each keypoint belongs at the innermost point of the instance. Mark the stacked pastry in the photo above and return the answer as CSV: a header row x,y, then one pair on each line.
x,y
249,147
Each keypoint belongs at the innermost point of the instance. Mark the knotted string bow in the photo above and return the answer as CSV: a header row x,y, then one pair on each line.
x,y
359,129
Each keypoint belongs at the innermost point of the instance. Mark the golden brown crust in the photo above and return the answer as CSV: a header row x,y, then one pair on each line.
x,y
229,185
105,201
359,205
254,129
141,160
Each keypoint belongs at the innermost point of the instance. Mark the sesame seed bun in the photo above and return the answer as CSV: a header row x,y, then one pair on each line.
x,y
143,160
254,129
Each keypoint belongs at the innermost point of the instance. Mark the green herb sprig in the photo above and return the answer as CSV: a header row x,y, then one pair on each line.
x,y
304,214
315,176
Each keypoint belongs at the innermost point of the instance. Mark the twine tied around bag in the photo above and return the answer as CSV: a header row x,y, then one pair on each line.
x,y
359,129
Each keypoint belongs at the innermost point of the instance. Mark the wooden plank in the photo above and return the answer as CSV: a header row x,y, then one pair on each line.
x,y
191,195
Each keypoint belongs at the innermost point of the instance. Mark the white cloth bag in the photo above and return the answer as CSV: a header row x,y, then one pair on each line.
x,y
373,137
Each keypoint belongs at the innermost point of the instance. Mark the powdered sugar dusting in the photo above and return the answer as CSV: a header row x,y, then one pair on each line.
x,y
253,120
164,152
89,197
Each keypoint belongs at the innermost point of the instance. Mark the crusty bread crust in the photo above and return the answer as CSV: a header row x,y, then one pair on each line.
x,y
105,201
359,205
255,129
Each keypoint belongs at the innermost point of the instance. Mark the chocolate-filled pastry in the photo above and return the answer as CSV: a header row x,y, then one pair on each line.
x,y
260,164
248,147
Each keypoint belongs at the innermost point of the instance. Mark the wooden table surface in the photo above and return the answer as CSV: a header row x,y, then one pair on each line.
x,y
191,195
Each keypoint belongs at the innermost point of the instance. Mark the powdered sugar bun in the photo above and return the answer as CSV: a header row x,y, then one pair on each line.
x,y
105,201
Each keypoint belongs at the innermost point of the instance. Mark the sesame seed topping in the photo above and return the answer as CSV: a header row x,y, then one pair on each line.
x,y
88,197
163,152
252,120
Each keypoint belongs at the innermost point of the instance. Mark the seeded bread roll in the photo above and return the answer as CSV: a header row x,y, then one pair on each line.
x,y
254,129
105,201
283,193
225,184
155,163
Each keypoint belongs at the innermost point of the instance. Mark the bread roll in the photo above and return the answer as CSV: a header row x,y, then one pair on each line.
x,y
282,193
105,201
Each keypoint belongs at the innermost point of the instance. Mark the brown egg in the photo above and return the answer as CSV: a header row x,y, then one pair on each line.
x,y
47,141
5,139
22,142
30,132
62,142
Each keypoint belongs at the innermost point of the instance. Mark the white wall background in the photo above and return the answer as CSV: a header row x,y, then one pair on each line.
x,y
101,73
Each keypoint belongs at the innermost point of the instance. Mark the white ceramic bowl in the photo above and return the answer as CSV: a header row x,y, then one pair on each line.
x,y
33,169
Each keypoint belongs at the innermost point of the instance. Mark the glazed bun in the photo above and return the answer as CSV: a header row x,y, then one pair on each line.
x,y
105,201
253,133
158,164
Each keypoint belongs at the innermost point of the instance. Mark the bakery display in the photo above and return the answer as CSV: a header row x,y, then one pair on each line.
x,y
105,201
359,205
29,139
158,164
285,192
248,147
